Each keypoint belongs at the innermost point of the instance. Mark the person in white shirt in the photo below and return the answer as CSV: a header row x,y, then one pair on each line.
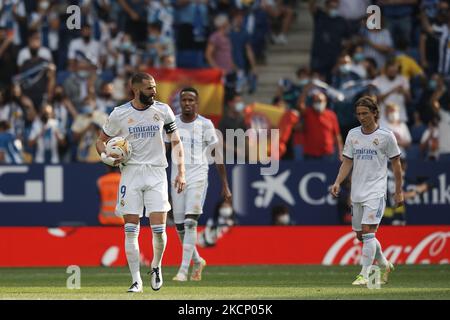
x,y
85,48
46,136
199,139
399,128
394,88
143,180
429,142
367,151
34,48
441,110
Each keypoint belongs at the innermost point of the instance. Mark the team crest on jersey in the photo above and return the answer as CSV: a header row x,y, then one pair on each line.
x,y
156,118
376,142
122,203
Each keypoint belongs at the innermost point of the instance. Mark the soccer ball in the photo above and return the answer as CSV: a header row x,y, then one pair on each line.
x,y
119,146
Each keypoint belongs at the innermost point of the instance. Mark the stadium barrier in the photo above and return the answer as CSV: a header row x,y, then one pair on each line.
x,y
67,195
240,245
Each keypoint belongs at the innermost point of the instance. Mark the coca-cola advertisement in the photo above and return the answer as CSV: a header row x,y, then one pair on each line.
x,y
238,245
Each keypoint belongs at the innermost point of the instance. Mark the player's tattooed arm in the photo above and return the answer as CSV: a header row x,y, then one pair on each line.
x,y
178,158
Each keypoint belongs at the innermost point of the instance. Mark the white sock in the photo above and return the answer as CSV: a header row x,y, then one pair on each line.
x,y
132,250
190,238
382,261
368,253
195,255
159,243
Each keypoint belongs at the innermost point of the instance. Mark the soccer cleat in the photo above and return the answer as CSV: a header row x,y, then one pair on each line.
x,y
197,269
156,278
135,287
360,281
385,275
182,277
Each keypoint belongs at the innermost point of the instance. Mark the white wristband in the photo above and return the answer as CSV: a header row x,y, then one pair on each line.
x,y
108,160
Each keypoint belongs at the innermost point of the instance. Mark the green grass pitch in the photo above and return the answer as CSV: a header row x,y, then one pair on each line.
x,y
238,282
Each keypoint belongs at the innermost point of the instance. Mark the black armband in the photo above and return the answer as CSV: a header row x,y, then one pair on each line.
x,y
170,127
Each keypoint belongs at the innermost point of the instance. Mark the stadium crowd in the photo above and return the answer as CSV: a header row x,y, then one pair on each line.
x,y
57,85
405,63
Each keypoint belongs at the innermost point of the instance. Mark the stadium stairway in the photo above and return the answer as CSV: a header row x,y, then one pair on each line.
x,y
283,60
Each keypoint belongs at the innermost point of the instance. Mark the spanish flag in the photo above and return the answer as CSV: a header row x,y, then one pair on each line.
x,y
264,116
208,82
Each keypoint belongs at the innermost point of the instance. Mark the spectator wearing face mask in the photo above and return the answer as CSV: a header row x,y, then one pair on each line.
x,y
86,128
399,128
330,31
394,88
434,33
46,136
320,127
84,49
158,45
289,91
281,216
217,226
225,214
105,101
343,71
429,142
441,108
359,62
233,119
37,72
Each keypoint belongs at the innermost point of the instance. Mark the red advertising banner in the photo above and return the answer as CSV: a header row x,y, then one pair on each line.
x,y
328,245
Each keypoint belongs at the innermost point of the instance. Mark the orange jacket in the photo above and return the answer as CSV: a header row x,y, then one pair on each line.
x,y
108,185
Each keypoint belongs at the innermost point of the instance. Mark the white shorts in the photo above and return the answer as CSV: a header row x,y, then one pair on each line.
x,y
142,186
368,212
190,201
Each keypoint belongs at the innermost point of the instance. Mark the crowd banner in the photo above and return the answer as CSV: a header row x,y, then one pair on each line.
x,y
264,116
208,82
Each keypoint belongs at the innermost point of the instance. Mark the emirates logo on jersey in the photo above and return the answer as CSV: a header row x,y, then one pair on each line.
x,y
376,142
156,118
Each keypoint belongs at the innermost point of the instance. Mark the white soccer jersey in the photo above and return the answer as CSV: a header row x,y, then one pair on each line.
x,y
143,129
196,136
370,154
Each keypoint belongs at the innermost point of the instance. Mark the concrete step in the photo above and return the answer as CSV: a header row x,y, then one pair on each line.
x,y
283,60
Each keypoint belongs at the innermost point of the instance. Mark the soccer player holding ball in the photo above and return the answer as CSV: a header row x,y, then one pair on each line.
x,y
143,183
367,151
